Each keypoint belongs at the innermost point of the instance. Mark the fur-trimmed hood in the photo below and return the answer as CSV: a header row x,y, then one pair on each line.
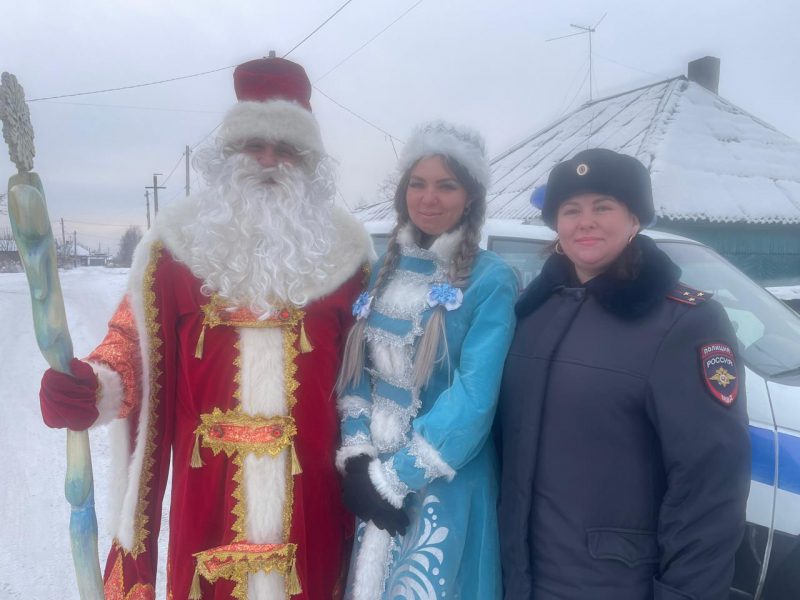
x,y
628,299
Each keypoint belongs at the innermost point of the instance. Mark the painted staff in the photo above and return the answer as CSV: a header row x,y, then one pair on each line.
x,y
30,224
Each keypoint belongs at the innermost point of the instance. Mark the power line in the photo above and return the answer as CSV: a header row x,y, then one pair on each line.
x,y
181,77
564,105
183,154
357,116
129,87
180,160
321,25
185,110
616,62
365,44
205,137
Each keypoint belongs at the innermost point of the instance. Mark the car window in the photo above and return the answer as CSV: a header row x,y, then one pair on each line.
x,y
769,333
526,257
380,241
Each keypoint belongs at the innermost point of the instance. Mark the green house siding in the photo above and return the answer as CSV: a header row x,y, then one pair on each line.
x,y
770,254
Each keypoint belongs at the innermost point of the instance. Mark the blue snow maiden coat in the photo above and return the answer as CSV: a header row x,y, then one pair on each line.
x,y
430,445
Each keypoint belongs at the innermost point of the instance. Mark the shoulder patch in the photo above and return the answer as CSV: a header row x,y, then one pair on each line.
x,y
686,295
719,372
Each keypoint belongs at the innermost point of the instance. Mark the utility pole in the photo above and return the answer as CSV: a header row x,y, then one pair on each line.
x,y
63,240
155,187
188,154
147,203
74,249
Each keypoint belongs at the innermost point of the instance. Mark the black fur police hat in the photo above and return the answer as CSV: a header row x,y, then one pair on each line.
x,y
600,171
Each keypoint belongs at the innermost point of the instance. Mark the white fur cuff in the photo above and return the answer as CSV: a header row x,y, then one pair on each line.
x,y
110,393
428,458
387,482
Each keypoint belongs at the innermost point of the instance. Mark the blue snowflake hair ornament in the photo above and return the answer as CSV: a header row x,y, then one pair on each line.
x,y
537,196
362,305
444,294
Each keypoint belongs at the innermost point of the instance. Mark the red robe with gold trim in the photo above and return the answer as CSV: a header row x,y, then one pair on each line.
x,y
245,410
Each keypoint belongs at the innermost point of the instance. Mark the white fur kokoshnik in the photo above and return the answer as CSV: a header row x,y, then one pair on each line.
x,y
462,144
273,121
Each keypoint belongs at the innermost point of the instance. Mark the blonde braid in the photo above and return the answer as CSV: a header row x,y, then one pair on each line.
x,y
459,274
353,354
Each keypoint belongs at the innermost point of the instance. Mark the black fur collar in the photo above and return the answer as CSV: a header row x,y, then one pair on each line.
x,y
628,299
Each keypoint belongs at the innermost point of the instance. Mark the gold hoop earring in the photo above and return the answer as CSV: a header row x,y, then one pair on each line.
x,y
557,248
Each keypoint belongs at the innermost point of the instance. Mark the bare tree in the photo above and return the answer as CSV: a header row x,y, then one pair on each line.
x,y
3,206
127,245
388,187
7,243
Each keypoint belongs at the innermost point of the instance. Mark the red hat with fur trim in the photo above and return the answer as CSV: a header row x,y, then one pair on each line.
x,y
273,105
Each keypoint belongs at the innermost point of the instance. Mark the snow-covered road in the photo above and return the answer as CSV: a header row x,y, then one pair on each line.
x,y
35,559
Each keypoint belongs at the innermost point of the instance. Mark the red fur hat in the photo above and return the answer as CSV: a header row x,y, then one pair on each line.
x,y
273,105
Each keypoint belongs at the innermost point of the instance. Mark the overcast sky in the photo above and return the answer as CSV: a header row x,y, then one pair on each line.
x,y
486,64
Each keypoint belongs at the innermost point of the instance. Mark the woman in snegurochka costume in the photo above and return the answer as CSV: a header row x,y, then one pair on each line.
x,y
419,383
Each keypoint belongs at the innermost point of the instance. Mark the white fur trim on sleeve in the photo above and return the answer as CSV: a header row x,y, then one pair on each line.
x,y
353,407
354,445
428,458
387,482
110,393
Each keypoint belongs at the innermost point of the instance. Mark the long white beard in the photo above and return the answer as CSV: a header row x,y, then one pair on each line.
x,y
261,238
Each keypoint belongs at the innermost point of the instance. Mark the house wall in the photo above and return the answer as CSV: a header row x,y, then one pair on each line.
x,y
770,254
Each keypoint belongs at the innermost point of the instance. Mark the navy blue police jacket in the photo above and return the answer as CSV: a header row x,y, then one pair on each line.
x,y
625,446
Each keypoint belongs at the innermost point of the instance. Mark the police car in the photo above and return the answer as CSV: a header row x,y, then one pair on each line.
x,y
768,560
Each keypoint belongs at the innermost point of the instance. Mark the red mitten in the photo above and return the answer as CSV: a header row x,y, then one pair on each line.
x,y
69,400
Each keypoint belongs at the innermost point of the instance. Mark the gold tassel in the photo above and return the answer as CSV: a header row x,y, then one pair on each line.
x,y
196,462
293,585
198,351
195,593
296,468
305,343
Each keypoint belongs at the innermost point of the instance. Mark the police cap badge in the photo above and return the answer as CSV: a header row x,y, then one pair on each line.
x,y
601,171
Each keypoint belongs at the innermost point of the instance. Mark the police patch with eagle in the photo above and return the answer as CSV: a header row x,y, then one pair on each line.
x,y
718,367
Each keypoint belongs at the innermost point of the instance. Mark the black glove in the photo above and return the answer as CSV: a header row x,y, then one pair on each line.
x,y
362,499
391,519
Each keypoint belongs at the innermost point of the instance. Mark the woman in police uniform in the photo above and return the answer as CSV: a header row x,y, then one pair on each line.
x,y
625,449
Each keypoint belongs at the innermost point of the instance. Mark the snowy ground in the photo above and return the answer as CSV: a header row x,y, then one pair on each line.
x,y
786,292
35,559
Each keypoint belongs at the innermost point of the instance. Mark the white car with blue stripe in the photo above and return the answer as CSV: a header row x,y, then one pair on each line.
x,y
768,560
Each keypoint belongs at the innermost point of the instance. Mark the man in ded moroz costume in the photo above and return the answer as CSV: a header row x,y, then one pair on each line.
x,y
223,355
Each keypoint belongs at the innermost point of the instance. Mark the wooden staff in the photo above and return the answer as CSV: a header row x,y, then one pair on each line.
x,y
30,224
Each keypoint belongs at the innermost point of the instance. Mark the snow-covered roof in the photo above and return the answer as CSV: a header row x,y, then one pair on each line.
x,y
709,160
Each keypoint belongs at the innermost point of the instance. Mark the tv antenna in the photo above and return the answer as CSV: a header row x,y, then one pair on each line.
x,y
583,31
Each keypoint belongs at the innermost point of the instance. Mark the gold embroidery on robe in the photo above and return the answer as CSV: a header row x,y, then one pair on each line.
x,y
115,586
235,562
